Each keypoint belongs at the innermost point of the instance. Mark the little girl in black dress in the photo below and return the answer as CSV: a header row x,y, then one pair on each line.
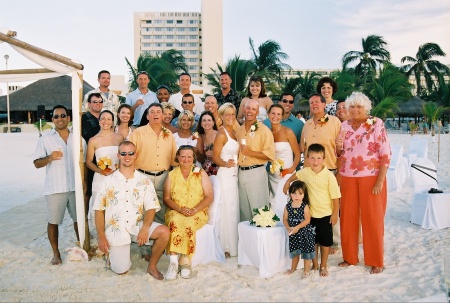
x,y
296,219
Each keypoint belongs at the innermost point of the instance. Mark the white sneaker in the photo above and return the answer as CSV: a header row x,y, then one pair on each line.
x,y
172,272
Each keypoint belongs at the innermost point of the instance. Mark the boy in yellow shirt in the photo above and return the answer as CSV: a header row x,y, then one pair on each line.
x,y
324,197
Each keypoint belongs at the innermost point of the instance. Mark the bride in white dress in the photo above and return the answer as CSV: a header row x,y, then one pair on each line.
x,y
256,90
104,146
286,149
225,153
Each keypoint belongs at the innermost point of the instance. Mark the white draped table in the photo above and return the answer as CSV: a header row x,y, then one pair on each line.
x,y
267,248
431,211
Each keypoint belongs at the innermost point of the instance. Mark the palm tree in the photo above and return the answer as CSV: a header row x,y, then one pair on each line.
x,y
424,64
391,83
373,53
385,108
238,68
268,62
162,69
432,111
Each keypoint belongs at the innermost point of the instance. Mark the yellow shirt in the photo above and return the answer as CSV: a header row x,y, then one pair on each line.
x,y
325,135
322,189
154,153
258,140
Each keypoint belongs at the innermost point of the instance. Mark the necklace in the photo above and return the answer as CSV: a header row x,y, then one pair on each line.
x,y
274,132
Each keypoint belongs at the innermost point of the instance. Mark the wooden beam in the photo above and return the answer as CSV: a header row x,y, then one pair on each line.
x,y
40,51
26,71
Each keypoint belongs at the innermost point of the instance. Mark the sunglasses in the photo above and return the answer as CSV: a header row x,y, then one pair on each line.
x,y
123,154
97,101
287,101
62,116
142,73
188,102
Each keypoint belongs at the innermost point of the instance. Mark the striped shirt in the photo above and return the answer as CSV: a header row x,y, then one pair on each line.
x,y
59,174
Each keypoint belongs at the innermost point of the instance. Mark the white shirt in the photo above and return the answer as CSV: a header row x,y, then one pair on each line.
x,y
125,202
59,174
149,98
175,100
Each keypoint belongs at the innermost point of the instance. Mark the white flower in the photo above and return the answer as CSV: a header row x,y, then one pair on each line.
x,y
253,128
196,170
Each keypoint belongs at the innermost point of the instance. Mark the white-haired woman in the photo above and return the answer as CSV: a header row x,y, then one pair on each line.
x,y
364,155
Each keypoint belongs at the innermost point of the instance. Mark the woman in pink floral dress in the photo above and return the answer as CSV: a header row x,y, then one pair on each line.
x,y
364,155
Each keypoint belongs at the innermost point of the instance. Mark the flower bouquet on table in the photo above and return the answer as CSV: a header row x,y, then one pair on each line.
x,y
104,163
264,217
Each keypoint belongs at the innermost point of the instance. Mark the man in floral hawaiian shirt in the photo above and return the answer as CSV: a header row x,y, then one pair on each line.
x,y
124,211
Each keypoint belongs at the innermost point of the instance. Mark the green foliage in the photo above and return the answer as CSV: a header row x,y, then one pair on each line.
x,y
387,107
300,85
391,83
347,83
162,69
424,64
43,124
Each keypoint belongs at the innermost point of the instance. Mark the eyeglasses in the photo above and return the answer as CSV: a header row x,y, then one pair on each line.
x,y
287,101
142,73
188,102
62,116
97,101
123,154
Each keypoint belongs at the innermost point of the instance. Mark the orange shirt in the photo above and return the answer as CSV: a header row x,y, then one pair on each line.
x,y
258,140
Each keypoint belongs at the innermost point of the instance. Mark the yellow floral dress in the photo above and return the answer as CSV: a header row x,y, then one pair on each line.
x,y
182,229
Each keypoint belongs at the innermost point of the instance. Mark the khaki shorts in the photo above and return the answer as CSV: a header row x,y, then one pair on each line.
x,y
57,204
119,256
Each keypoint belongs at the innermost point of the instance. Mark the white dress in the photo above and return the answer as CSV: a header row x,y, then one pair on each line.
x,y
278,199
262,114
229,205
105,151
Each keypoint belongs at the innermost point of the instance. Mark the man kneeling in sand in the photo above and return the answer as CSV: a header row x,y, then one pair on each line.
x,y
124,211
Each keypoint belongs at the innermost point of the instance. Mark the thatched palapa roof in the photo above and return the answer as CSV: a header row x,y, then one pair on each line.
x,y
47,92
412,107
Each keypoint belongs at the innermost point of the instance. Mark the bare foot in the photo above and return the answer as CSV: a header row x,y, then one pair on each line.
x,y
376,270
155,274
56,260
333,250
305,274
290,271
227,255
323,272
344,264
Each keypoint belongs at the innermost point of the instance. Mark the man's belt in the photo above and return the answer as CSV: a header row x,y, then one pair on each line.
x,y
156,174
250,167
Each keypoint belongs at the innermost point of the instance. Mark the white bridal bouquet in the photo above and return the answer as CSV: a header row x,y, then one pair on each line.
x,y
264,217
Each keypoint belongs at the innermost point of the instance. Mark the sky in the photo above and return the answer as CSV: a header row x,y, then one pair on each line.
x,y
315,34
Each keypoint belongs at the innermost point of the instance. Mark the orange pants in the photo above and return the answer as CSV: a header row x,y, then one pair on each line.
x,y
357,200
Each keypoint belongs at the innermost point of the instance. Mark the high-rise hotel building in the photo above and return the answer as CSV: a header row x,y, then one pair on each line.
x,y
198,35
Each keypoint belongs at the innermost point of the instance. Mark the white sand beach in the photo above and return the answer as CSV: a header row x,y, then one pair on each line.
x,y
413,256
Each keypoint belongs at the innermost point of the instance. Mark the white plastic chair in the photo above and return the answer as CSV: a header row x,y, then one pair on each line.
x,y
208,248
418,148
397,172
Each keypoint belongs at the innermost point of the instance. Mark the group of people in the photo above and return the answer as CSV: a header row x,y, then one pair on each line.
x,y
150,160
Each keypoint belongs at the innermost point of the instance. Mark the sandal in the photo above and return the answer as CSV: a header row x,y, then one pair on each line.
x,y
185,271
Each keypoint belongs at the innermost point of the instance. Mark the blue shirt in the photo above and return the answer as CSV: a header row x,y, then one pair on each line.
x,y
291,122
132,97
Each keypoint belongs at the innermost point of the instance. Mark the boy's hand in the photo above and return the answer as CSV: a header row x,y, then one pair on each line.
x,y
333,219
